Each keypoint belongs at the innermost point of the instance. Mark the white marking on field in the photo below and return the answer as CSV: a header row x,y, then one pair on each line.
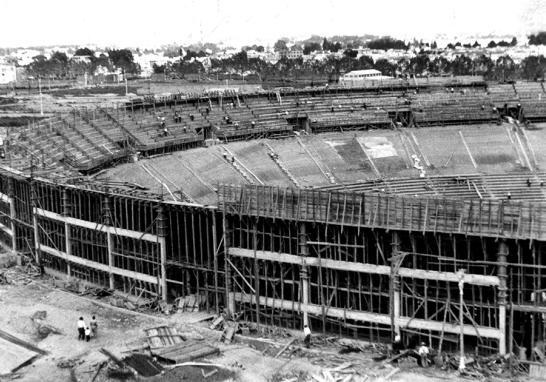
x,y
377,147
333,144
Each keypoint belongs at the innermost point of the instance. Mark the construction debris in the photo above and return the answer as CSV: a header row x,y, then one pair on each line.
x,y
229,332
143,364
190,303
42,328
162,336
285,347
185,351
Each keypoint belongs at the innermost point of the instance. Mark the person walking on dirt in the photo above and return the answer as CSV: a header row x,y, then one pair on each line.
x,y
81,329
93,325
307,336
87,334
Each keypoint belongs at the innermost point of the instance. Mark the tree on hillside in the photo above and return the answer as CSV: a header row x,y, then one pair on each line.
x,y
39,67
419,64
280,45
538,39
365,62
84,52
350,53
533,67
440,65
462,65
385,67
310,47
386,43
505,68
123,59
484,66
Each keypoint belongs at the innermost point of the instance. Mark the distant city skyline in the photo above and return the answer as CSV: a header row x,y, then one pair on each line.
x,y
244,22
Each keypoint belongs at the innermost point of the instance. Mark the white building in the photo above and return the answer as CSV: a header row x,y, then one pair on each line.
x,y
8,73
359,77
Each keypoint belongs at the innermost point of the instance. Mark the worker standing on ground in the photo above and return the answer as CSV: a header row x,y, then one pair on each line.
x,y
87,334
93,325
423,353
307,336
81,329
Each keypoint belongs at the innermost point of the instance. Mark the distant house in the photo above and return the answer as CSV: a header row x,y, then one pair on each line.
x,y
8,73
83,59
291,54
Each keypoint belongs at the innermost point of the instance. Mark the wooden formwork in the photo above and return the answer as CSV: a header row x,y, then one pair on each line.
x,y
373,265
141,246
353,264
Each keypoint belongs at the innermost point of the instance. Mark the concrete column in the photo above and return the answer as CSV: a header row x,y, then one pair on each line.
x,y
304,275
34,202
162,233
502,295
395,283
107,219
67,211
12,214
230,299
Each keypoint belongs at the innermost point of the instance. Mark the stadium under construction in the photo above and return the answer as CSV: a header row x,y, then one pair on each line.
x,y
366,232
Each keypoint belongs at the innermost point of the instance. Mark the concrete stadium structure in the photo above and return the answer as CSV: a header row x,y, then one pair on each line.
x,y
433,254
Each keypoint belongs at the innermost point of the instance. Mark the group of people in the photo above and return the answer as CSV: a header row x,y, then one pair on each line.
x,y
85,332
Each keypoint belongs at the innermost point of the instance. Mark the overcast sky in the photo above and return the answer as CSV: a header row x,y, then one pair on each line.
x,y
147,23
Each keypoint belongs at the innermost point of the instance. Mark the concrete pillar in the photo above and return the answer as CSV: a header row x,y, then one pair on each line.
x,y
107,220
502,295
230,299
34,202
395,283
12,214
67,211
304,275
162,233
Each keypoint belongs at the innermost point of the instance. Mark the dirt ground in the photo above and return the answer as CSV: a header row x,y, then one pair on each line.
x,y
247,359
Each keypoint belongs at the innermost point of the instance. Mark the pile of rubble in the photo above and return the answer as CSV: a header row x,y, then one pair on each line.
x,y
19,275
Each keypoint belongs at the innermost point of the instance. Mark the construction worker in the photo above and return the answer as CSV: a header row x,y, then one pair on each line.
x,y
81,329
423,353
307,336
87,333
93,325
